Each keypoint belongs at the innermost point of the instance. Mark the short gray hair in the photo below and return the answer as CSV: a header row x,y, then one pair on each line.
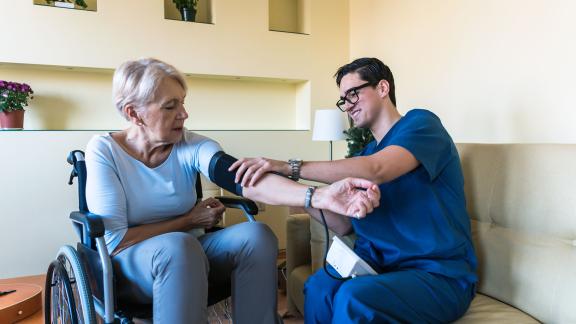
x,y
135,82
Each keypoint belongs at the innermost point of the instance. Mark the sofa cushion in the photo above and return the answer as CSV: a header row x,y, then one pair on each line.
x,y
298,241
297,254
489,310
295,285
521,201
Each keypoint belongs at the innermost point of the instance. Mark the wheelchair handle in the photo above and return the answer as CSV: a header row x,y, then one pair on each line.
x,y
73,175
76,159
75,156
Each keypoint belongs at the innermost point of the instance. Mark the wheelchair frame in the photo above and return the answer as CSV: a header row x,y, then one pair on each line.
x,y
90,264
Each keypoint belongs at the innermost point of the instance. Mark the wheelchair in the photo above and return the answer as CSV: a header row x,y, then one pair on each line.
x,y
80,285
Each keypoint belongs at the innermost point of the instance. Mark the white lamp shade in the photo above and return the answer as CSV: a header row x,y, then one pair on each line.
x,y
329,125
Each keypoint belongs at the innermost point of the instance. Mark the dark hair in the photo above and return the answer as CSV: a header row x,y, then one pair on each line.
x,y
371,70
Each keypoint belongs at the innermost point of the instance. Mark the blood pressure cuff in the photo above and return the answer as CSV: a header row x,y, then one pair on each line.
x,y
219,174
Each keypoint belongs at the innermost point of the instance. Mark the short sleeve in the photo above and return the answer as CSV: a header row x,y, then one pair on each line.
x,y
368,148
200,150
104,192
423,135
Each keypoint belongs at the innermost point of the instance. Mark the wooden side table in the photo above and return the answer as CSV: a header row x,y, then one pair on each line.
x,y
25,305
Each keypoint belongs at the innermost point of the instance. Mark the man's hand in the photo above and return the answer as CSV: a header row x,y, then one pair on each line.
x,y
206,213
250,170
351,197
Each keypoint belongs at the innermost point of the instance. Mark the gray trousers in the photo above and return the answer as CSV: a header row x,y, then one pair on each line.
x,y
181,274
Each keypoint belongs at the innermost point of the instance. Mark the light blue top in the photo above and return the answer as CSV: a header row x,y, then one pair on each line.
x,y
125,192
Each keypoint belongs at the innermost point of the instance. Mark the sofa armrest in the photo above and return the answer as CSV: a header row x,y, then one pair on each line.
x,y
318,243
297,241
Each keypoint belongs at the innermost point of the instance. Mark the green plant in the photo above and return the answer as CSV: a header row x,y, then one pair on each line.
x,y
14,96
80,3
189,4
357,138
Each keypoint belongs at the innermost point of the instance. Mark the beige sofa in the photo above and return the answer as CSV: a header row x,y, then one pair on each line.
x,y
522,202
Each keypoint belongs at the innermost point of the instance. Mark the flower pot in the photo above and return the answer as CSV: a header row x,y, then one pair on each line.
x,y
12,120
188,14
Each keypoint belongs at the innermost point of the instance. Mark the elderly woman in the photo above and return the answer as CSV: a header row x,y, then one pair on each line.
x,y
142,182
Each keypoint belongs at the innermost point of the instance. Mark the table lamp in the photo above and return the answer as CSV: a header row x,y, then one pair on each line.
x,y
329,125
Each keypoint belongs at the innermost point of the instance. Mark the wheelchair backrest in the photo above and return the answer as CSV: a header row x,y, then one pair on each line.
x,y
76,159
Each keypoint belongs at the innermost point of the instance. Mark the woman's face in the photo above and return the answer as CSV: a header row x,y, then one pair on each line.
x,y
163,119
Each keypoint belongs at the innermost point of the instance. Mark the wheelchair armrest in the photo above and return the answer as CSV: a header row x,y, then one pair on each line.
x,y
248,206
92,225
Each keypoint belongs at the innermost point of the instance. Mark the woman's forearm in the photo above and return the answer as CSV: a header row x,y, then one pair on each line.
x,y
272,190
351,196
141,233
277,190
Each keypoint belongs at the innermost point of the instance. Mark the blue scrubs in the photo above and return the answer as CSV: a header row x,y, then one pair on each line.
x,y
418,240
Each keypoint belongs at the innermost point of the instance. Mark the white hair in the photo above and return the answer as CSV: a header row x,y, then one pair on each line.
x,y
135,82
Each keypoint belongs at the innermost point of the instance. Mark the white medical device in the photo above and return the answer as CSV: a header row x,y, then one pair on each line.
x,y
346,262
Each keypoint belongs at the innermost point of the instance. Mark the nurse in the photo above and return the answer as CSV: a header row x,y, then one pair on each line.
x,y
419,239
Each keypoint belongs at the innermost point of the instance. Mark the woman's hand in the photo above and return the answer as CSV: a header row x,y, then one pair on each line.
x,y
206,213
351,197
250,170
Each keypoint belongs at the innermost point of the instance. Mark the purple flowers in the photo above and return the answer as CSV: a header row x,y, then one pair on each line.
x,y
14,95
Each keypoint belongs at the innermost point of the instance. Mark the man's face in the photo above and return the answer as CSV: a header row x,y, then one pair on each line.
x,y
367,104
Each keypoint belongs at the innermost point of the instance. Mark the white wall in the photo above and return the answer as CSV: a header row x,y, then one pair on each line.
x,y
238,43
495,71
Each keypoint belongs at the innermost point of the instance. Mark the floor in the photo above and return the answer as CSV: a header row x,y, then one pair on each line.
x,y
282,311
38,317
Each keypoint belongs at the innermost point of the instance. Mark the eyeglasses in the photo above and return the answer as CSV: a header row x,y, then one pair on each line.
x,y
351,96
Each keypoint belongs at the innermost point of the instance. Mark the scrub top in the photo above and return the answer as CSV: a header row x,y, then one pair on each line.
x,y
422,222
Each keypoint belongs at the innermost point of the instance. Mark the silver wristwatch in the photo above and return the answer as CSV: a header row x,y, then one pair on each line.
x,y
295,165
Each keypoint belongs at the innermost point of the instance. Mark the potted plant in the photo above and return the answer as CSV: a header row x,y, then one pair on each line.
x,y
357,138
13,98
80,3
187,9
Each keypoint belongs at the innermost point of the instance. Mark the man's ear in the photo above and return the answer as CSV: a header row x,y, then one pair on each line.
x,y
383,88
132,115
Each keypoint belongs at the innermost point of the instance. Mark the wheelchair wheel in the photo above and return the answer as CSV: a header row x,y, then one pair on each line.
x,y
68,298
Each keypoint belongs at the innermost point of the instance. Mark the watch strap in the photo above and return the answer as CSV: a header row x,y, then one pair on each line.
x,y
295,166
308,197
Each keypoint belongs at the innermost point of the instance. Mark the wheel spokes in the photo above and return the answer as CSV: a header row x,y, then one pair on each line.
x,y
75,293
61,298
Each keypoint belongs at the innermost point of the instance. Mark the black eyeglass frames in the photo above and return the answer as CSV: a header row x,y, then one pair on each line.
x,y
351,96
